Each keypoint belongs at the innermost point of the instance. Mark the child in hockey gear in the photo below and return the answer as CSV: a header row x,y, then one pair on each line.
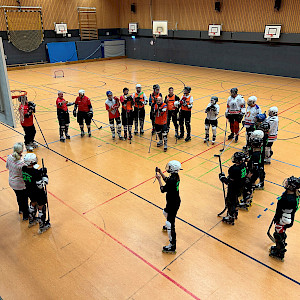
x,y
170,99
127,113
272,137
26,110
173,201
140,100
235,112
35,180
235,181
112,105
63,116
288,204
14,164
152,101
85,112
160,115
212,110
249,122
186,104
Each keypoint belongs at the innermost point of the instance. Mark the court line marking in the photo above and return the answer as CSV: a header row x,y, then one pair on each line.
x,y
128,249
197,228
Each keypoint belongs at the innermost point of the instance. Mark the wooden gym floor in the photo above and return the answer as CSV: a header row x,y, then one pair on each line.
x,y
106,213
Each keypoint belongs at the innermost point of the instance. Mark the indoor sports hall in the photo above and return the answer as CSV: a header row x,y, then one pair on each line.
x,y
103,197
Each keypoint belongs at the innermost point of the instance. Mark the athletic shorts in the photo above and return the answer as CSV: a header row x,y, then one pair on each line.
x,y
211,122
63,117
82,115
38,195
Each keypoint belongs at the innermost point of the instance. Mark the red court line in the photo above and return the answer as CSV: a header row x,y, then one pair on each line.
x,y
3,171
3,158
146,181
128,249
288,108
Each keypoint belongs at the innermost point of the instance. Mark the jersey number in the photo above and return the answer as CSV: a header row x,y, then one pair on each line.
x,y
244,171
177,186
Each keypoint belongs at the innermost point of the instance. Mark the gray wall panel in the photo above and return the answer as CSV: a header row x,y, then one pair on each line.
x,y
259,58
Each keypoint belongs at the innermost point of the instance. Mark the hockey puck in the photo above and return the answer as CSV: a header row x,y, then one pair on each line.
x,y
67,160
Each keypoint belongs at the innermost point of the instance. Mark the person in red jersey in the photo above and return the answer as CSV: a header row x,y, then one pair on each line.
x,y
160,115
127,112
63,116
152,102
172,110
26,110
112,105
85,112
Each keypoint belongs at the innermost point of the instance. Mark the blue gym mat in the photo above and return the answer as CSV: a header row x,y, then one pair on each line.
x,y
62,52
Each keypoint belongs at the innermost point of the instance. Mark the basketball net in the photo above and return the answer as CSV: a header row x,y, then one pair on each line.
x,y
18,98
24,28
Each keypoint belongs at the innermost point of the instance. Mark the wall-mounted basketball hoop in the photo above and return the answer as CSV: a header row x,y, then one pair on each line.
x,y
272,32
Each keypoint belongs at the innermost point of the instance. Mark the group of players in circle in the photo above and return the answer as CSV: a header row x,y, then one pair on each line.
x,y
261,133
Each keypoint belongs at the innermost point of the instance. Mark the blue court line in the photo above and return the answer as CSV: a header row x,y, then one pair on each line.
x,y
182,220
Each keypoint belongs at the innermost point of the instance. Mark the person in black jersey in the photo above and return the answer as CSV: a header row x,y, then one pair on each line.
x,y
35,180
288,204
173,201
235,181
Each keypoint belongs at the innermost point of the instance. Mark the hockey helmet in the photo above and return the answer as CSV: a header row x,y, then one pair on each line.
x,y
264,126
81,92
257,134
173,166
125,89
260,117
251,100
187,89
234,91
292,183
156,86
138,86
108,93
214,99
22,99
238,157
273,111
30,159
256,142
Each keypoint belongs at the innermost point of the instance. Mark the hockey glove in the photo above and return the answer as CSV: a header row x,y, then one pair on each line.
x,y
223,178
74,113
90,114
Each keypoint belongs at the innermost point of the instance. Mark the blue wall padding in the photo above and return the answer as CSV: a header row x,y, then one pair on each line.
x,y
61,52
89,49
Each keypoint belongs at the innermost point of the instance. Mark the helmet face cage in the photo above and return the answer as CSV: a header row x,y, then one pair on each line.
x,y
256,142
238,157
273,111
214,100
108,93
292,183
187,89
234,91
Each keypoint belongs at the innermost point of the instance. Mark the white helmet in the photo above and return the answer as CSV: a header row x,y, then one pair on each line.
x,y
173,166
81,92
251,100
30,159
257,134
138,86
273,111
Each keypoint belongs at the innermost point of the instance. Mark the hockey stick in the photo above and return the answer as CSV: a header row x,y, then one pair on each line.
x,y
268,232
46,194
150,143
96,125
40,130
231,141
224,136
220,164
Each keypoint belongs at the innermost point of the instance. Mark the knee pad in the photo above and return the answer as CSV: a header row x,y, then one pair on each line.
x,y
268,152
168,225
206,127
214,130
42,215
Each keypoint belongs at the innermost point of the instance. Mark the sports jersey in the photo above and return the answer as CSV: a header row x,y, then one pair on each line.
x,y
212,111
161,114
112,105
273,122
83,103
172,189
153,97
235,105
139,99
170,101
250,115
127,102
63,106
236,175
25,119
186,102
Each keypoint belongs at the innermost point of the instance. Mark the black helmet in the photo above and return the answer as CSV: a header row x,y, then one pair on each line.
x,y
155,86
214,98
264,126
292,183
238,157
256,142
125,89
234,91
188,89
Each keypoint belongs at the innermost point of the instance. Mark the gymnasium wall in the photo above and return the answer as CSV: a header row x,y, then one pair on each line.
x,y
235,15
66,11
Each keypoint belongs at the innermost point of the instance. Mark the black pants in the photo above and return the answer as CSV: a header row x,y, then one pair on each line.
x,y
127,117
29,134
185,117
63,117
171,218
172,114
22,199
139,113
232,202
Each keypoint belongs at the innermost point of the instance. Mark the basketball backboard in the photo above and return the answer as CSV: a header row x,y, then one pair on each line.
x,y
160,27
272,32
214,30
132,27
